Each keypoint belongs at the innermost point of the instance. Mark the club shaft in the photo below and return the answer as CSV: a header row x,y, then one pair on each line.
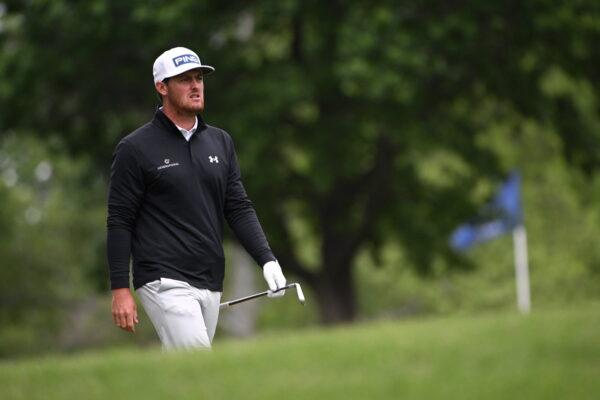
x,y
254,296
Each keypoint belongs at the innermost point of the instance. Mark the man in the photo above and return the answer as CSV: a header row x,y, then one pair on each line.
x,y
173,181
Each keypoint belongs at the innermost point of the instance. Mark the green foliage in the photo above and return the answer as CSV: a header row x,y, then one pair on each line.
x,y
378,117
552,354
48,242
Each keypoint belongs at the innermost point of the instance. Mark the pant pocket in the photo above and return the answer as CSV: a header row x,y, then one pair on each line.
x,y
152,286
176,297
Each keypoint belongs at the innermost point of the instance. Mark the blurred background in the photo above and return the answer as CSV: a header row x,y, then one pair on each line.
x,y
367,132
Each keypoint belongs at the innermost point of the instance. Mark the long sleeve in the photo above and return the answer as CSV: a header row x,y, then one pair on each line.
x,y
118,249
242,218
125,192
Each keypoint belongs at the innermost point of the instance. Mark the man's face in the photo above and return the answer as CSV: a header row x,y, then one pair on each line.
x,y
184,92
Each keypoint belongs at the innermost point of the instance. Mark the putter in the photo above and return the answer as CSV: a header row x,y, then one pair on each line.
x,y
254,296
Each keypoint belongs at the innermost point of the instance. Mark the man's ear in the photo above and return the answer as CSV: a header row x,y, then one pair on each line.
x,y
161,88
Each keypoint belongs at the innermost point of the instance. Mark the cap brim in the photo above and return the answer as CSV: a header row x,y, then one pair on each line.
x,y
206,69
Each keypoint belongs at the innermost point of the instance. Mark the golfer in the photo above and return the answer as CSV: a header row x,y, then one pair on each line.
x,y
173,182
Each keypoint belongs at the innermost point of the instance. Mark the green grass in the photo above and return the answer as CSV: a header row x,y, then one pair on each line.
x,y
552,354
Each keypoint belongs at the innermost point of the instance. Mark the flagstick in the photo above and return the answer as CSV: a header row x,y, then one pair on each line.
x,y
522,269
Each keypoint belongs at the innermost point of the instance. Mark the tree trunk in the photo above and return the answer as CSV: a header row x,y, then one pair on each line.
x,y
336,297
240,321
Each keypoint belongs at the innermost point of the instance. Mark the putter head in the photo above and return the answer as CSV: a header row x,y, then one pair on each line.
x,y
300,293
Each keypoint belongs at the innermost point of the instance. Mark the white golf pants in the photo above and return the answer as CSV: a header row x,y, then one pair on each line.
x,y
184,317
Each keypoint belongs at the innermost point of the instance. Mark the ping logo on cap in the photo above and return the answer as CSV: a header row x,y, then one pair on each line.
x,y
185,59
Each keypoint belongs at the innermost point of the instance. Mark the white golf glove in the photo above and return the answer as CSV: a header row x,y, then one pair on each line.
x,y
274,277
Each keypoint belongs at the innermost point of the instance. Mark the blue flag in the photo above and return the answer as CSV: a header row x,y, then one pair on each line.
x,y
500,216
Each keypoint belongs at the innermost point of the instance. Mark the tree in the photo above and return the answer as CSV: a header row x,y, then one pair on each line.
x,y
349,102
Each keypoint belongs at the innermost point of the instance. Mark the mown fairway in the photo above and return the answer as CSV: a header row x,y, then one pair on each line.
x,y
553,354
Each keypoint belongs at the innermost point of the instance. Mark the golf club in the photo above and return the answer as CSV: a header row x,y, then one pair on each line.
x,y
254,296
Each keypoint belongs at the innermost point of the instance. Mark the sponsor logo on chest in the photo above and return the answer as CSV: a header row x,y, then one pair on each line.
x,y
168,164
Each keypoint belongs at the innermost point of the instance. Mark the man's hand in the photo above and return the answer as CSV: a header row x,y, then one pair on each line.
x,y
274,277
124,310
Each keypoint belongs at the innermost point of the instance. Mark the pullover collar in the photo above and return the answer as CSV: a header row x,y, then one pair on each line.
x,y
162,120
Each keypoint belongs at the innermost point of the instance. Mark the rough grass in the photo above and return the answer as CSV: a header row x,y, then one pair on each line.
x,y
552,354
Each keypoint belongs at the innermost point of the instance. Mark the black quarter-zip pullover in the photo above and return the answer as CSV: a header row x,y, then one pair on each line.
x,y
167,201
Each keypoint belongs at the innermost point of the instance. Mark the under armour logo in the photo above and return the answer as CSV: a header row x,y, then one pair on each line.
x,y
213,159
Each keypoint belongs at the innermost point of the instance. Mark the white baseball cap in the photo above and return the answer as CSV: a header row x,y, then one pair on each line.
x,y
176,61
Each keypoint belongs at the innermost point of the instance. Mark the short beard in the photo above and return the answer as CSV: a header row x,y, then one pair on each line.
x,y
183,108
